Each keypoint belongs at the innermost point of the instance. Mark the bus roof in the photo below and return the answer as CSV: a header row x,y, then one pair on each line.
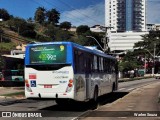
x,y
94,51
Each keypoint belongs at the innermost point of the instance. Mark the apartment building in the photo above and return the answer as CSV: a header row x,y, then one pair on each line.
x,y
128,19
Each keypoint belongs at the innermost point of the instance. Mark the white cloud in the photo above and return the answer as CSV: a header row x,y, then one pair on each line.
x,y
153,12
90,16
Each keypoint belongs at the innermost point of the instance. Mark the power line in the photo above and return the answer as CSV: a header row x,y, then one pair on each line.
x,y
59,9
73,14
78,11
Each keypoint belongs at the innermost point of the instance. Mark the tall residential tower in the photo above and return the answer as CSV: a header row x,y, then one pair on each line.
x,y
125,15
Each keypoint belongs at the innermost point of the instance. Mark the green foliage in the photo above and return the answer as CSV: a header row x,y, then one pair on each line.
x,y
148,42
4,14
62,35
82,29
65,25
28,30
50,31
43,38
127,65
40,15
30,20
6,40
16,24
130,62
53,16
6,46
22,27
1,31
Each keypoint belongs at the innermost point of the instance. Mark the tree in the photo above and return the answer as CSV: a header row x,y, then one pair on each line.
x,y
4,14
51,31
40,15
62,35
30,20
16,24
82,29
53,16
146,47
22,27
28,30
65,25
1,32
149,40
130,62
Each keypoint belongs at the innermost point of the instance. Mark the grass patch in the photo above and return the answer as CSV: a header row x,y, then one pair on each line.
x,y
14,94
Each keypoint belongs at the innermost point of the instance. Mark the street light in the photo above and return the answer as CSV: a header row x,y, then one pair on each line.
x,y
153,55
96,41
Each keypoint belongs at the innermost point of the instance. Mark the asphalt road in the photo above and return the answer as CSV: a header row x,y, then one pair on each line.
x,y
70,112
131,85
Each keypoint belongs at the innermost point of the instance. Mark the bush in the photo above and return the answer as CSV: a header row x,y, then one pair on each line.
x,y
42,38
6,40
29,33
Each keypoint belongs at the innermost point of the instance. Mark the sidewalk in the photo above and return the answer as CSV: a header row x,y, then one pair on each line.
x,y
141,100
8,92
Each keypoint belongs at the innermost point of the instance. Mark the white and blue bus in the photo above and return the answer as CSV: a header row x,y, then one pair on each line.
x,y
65,70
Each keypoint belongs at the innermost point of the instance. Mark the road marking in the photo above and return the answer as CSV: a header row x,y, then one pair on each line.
x,y
122,89
129,109
122,117
82,114
130,106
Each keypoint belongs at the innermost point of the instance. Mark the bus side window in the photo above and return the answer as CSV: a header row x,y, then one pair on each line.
x,y
87,64
101,64
95,65
79,61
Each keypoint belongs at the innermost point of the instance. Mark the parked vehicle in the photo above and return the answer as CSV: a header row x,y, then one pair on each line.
x,y
1,76
157,75
13,75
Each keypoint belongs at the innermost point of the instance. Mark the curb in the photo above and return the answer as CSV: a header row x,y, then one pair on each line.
x,y
83,115
14,97
133,79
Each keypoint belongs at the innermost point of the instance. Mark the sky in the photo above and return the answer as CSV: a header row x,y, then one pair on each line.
x,y
78,12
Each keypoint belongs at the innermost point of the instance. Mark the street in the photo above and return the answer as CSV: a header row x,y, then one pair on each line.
x,y
50,109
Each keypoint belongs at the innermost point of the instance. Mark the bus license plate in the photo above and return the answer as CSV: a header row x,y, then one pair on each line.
x,y
47,86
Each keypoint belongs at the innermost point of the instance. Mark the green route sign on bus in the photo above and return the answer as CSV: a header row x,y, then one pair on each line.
x,y
48,54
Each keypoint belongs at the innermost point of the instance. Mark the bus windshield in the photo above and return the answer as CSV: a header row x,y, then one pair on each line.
x,y
48,54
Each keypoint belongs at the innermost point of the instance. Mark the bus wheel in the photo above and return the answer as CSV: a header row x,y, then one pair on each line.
x,y
113,87
95,94
95,99
16,79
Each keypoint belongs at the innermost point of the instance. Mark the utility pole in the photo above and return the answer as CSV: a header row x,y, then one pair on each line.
x,y
105,39
154,56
